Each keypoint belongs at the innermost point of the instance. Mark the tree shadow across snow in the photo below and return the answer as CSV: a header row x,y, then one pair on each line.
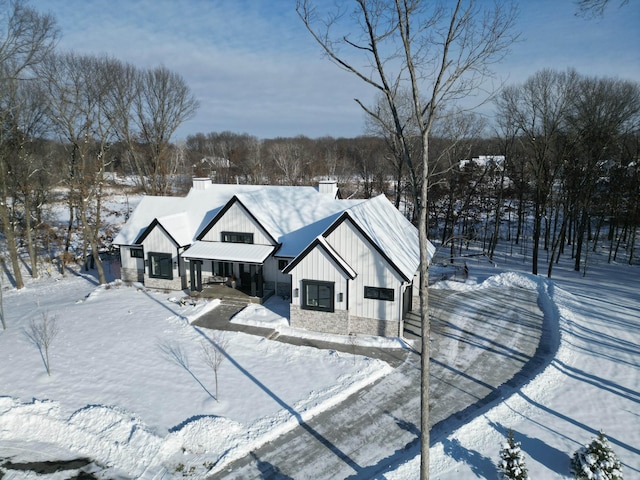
x,y
481,466
597,381
268,470
534,448
174,353
314,433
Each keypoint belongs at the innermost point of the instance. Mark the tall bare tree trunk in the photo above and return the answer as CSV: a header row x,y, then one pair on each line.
x,y
9,235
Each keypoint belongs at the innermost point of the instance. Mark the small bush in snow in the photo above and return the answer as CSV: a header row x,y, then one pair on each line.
x,y
596,461
511,465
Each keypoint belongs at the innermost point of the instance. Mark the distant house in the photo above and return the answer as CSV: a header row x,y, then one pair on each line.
x,y
347,266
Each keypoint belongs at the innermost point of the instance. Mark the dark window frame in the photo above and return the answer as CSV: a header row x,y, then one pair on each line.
x,y
282,264
223,269
379,293
236,237
139,252
164,261
313,290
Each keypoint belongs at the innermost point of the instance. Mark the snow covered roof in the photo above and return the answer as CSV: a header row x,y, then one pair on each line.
x,y
229,252
197,209
391,232
293,216
321,242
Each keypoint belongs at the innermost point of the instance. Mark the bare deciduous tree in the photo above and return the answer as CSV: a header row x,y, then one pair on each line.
x,y
78,93
440,52
162,101
42,334
213,353
595,8
538,109
26,37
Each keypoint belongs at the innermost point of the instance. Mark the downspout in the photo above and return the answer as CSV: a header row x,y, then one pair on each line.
x,y
403,287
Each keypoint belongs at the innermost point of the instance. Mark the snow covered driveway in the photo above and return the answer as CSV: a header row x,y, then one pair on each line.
x,y
481,339
591,384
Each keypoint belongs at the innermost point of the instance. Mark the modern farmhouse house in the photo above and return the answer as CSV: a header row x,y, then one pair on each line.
x,y
347,266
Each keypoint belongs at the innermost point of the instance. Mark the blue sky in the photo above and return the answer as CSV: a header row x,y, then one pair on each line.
x,y
255,69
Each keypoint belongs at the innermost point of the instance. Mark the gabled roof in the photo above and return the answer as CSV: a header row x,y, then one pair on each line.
x,y
294,217
150,228
234,200
395,237
145,213
320,242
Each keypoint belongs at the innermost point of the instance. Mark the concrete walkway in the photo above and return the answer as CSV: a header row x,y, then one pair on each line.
x,y
484,344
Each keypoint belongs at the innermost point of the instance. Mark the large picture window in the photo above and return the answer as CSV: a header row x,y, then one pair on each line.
x,y
237,237
160,265
317,295
379,293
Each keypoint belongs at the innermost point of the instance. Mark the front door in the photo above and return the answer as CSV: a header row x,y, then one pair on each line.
x,y
196,275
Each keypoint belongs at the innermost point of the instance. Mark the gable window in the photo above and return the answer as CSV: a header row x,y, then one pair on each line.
x,y
379,293
237,237
160,265
317,295
282,264
136,252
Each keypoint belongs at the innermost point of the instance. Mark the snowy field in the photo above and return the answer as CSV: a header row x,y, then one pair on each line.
x,y
118,395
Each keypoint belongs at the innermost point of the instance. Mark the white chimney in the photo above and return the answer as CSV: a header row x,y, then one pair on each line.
x,y
201,183
328,187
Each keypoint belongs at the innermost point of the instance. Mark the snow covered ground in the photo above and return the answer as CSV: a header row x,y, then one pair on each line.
x,y
592,384
118,395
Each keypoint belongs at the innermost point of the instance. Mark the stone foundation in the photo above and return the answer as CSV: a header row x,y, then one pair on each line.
x,y
324,322
373,326
341,322
163,284
131,275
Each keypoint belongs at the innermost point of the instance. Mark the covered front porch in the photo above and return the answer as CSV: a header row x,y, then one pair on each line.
x,y
227,293
216,268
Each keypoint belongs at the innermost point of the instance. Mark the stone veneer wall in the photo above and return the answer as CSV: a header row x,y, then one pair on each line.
x,y
336,322
131,275
341,323
373,326
163,284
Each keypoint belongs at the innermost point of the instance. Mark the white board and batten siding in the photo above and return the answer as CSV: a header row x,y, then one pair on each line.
x,y
131,268
129,262
373,271
319,266
236,219
158,241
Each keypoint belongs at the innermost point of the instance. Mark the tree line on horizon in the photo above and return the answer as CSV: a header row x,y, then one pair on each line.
x,y
569,145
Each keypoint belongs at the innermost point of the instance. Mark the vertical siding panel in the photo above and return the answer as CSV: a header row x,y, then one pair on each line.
x,y
236,219
317,265
373,271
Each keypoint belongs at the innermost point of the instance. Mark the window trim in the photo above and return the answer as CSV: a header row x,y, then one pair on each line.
x,y
236,237
161,258
222,269
379,293
317,283
282,264
136,249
